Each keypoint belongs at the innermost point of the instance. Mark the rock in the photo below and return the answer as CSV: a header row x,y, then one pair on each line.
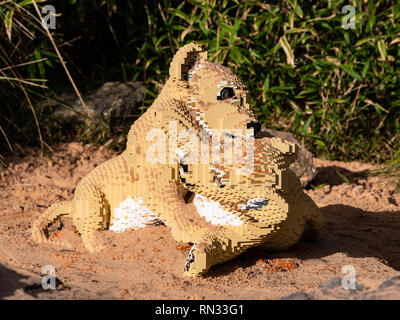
x,y
327,189
297,296
332,289
388,290
303,167
359,190
112,99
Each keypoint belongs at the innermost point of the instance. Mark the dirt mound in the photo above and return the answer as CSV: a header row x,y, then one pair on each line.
x,y
362,230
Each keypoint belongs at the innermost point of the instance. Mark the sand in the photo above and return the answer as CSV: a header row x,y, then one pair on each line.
x,y
362,230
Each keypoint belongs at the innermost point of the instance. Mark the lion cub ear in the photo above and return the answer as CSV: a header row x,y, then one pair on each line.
x,y
184,59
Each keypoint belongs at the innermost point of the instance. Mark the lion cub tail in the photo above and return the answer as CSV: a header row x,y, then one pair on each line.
x,y
40,226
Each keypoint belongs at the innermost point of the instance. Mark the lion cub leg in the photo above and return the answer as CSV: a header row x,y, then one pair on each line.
x,y
217,246
90,214
220,245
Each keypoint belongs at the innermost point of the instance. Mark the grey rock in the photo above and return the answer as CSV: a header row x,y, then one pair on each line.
x,y
304,166
389,289
112,99
298,296
359,190
332,284
392,282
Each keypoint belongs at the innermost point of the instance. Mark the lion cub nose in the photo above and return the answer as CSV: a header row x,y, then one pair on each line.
x,y
255,125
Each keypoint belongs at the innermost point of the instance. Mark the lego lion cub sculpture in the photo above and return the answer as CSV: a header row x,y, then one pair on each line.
x,y
229,207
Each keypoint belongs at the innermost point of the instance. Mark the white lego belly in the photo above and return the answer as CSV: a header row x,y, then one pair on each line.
x,y
214,213
132,214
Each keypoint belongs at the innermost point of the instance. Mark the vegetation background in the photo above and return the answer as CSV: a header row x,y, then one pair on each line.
x,y
336,89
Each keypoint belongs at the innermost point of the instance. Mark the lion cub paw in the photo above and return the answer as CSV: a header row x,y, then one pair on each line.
x,y
197,262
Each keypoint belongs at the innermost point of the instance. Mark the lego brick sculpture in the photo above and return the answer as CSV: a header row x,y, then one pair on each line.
x,y
222,207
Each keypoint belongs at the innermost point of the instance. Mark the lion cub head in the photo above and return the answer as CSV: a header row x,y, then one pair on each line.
x,y
214,96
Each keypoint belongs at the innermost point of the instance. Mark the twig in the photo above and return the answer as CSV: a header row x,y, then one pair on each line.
x,y
22,64
5,136
24,81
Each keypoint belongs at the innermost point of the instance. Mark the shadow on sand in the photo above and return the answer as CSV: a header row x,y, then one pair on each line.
x,y
10,281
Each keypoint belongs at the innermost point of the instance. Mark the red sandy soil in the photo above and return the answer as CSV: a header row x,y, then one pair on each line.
x,y
362,229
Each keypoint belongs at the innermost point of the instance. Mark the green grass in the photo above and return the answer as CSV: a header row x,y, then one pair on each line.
x,y
337,90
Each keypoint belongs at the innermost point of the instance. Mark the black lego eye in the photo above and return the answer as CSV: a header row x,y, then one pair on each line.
x,y
226,93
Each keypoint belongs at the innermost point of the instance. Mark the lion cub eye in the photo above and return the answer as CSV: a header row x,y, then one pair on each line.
x,y
226,93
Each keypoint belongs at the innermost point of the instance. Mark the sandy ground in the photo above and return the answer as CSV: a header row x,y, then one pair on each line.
x,y
362,230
